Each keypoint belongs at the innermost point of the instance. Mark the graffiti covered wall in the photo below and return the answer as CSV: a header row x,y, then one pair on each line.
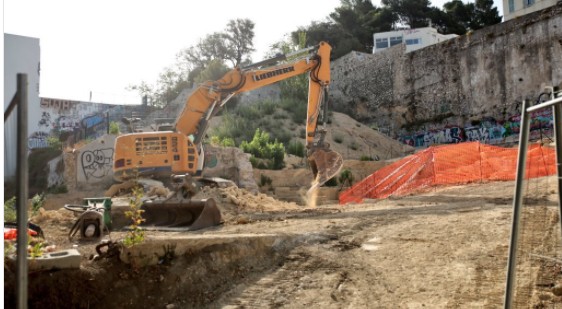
x,y
464,89
68,121
488,131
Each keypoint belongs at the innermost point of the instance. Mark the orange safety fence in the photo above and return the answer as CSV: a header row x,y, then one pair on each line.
x,y
450,165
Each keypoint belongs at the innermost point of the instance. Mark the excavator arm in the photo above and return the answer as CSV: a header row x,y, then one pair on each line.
x,y
209,97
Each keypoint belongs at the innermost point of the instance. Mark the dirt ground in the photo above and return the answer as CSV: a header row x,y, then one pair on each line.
x,y
446,248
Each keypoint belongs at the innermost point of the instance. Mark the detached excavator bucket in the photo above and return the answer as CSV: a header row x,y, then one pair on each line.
x,y
325,164
189,215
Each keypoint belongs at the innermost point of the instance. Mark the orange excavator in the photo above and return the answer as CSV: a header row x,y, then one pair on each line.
x,y
180,151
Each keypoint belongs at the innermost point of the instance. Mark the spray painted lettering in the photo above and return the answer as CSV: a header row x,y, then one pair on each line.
x,y
97,163
37,140
489,131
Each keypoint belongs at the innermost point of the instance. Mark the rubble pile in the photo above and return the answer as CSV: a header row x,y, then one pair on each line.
x,y
234,200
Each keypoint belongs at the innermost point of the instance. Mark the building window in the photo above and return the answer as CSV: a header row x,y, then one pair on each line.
x,y
381,43
528,3
413,41
511,6
395,40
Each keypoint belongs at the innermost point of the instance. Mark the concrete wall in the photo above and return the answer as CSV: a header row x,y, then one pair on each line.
x,y
230,163
94,162
472,85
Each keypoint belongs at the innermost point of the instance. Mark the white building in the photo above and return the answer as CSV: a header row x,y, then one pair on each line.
x,y
413,38
21,55
516,8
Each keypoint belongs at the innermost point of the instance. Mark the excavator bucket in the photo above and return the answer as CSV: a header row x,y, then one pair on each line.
x,y
188,215
325,164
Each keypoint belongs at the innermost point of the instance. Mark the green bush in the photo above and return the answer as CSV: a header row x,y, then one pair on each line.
x,y
10,210
59,189
338,138
280,116
54,142
302,133
346,176
114,128
267,107
249,112
223,142
296,148
366,158
37,202
283,136
265,180
260,147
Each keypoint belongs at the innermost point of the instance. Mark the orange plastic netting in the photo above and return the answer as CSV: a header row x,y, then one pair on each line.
x,y
450,165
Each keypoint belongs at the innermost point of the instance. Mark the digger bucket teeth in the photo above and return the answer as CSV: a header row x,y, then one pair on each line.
x,y
325,164
189,215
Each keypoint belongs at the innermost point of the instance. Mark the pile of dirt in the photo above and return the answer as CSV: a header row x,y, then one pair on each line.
x,y
235,203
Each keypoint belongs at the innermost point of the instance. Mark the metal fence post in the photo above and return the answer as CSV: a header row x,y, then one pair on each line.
x,y
21,193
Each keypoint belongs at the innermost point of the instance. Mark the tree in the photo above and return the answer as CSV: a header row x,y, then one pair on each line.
x,y
204,61
464,16
239,36
381,20
360,19
413,13
145,90
447,23
461,14
214,70
341,41
235,45
485,14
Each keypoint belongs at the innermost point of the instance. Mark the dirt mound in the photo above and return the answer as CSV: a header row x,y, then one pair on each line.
x,y
236,203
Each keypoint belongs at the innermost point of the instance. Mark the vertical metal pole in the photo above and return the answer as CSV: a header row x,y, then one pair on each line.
x,y
21,193
517,204
557,117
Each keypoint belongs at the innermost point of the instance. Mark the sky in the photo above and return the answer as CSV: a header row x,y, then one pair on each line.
x,y
101,47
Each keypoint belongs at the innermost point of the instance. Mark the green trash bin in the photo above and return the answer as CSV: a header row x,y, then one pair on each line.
x,y
99,202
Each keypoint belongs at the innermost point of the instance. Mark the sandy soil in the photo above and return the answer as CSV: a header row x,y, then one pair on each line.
x,y
443,249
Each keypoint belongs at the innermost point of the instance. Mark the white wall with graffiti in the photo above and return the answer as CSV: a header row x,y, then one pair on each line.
x,y
67,120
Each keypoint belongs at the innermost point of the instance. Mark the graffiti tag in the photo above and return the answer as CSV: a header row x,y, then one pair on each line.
x,y
97,163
